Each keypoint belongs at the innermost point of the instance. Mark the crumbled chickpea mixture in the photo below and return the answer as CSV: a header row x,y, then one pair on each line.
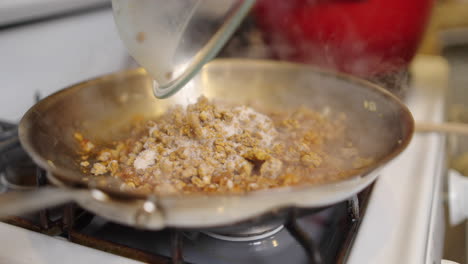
x,y
212,147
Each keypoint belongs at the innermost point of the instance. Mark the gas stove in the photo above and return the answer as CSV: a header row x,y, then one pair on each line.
x,y
398,220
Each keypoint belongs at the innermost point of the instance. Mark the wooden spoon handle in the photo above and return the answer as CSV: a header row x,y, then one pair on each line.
x,y
448,128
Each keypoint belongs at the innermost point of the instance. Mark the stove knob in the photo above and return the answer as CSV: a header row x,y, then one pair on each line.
x,y
457,197
444,261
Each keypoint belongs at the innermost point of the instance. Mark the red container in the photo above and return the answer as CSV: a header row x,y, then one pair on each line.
x,y
361,37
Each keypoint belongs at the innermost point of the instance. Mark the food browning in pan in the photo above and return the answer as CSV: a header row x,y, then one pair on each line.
x,y
215,147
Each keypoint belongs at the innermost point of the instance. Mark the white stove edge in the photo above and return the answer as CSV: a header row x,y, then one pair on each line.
x,y
21,246
403,222
436,226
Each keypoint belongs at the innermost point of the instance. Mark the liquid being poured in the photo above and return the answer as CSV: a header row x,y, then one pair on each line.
x,y
173,39
151,30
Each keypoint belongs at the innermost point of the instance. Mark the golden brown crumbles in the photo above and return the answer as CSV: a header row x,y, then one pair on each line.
x,y
213,147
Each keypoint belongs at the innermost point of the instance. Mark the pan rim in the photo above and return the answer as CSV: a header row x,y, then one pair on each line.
x,y
59,173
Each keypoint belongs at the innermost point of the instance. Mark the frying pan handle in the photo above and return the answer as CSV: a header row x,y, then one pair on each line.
x,y
16,203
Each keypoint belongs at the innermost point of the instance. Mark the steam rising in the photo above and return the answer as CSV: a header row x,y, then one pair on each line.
x,y
279,33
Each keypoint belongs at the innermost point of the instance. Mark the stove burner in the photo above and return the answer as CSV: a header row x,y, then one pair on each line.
x,y
20,176
243,237
17,170
19,173
7,130
8,138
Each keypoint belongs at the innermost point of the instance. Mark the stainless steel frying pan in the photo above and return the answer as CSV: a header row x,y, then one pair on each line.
x,y
102,107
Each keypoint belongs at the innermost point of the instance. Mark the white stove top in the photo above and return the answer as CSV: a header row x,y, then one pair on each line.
x,y
403,214
51,55
404,219
21,246
17,11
